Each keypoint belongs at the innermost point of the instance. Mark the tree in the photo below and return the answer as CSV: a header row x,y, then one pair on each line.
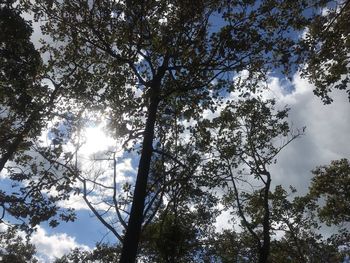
x,y
26,104
331,183
14,249
20,64
172,238
295,235
247,135
183,225
241,143
146,64
114,44
325,50
101,253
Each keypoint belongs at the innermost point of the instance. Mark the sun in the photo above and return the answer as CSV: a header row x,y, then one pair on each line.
x,y
95,139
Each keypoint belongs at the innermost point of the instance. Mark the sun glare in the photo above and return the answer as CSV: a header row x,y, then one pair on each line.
x,y
96,140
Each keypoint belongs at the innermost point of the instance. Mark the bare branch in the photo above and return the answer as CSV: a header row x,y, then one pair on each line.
x,y
100,218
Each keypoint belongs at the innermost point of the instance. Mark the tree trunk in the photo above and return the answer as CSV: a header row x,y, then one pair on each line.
x,y
265,248
133,232
13,147
29,125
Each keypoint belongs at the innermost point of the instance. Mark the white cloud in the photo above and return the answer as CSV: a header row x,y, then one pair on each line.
x,y
54,246
3,227
75,201
223,222
49,247
326,138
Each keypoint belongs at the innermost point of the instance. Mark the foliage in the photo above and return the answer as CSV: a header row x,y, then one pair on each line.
x,y
168,239
139,61
295,235
26,104
325,50
13,249
20,66
102,253
331,184
169,80
244,141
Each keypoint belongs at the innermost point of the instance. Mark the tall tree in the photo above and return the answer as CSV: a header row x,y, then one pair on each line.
x,y
245,140
325,49
295,234
20,69
145,64
26,104
331,183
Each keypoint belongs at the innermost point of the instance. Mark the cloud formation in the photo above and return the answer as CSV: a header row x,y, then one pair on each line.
x,y
54,246
326,137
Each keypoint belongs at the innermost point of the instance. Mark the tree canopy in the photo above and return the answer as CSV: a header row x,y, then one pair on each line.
x,y
179,87
26,105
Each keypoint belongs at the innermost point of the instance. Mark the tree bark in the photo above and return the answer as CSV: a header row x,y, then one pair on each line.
x,y
133,232
265,248
13,147
29,125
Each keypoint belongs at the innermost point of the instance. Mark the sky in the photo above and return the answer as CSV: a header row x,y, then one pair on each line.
x,y
325,139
